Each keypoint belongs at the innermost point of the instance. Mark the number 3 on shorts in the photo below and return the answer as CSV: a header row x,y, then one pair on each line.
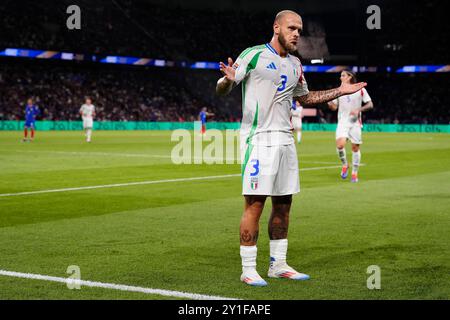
x,y
255,164
283,83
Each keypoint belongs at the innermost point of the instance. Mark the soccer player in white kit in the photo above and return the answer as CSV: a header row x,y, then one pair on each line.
x,y
271,79
296,114
87,112
350,124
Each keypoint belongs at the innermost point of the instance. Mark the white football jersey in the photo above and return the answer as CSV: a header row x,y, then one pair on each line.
x,y
87,110
269,83
351,102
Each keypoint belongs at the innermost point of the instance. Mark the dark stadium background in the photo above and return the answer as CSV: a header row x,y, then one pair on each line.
x,y
412,33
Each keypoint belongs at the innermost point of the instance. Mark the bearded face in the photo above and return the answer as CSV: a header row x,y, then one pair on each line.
x,y
288,45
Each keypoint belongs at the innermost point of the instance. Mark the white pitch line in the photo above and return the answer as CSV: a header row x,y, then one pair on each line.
x,y
319,168
116,185
116,154
318,162
95,284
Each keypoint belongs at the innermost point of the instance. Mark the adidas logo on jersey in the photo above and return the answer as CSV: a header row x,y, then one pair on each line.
x,y
272,66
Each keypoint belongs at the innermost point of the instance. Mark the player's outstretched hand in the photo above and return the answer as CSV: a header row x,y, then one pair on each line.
x,y
348,88
227,70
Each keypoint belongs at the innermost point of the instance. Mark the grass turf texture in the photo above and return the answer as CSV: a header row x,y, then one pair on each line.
x,y
183,236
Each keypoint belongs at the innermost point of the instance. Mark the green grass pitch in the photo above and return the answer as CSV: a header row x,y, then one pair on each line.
x,y
183,235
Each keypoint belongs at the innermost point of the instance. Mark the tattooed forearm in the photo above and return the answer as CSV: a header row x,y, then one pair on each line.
x,y
317,97
249,238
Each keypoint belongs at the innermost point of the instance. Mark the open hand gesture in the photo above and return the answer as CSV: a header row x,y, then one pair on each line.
x,y
227,70
348,88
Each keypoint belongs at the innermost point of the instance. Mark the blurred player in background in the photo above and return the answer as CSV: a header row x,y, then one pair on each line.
x,y
202,117
349,123
31,112
296,113
87,112
269,157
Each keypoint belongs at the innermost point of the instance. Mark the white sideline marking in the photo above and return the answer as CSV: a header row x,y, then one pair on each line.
x,y
318,162
116,154
116,185
132,155
94,284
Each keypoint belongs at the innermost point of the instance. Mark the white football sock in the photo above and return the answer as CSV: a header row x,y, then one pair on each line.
x,y
89,132
248,256
356,157
299,136
342,155
278,250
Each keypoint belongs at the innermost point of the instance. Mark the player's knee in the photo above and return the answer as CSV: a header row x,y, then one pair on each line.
x,y
340,143
281,205
282,200
355,147
254,204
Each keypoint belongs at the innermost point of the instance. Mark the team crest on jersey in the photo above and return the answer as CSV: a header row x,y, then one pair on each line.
x,y
254,183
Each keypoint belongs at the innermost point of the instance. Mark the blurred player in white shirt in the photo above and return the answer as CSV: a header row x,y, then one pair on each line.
x,y
296,114
87,112
349,123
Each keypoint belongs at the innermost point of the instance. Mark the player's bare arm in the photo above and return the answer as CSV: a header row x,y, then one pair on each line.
x,y
226,83
365,107
318,97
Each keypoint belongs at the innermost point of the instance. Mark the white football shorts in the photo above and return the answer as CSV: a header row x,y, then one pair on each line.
x,y
351,131
88,123
270,170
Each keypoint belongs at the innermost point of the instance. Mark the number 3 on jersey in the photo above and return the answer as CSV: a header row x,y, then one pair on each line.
x,y
283,83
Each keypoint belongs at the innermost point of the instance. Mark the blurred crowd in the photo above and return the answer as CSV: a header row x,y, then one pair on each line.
x,y
119,94
123,93
411,31
133,28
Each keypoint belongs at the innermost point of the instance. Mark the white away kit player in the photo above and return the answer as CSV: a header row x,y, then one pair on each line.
x,y
271,79
296,119
350,124
87,112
